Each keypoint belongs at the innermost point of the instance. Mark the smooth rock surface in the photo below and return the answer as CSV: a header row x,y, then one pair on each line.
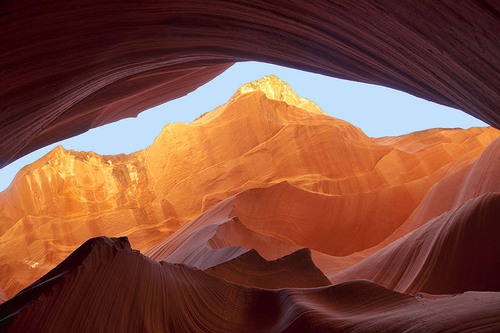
x,y
295,270
91,291
263,215
453,253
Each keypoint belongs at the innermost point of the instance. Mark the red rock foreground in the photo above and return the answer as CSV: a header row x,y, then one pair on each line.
x,y
105,286
306,224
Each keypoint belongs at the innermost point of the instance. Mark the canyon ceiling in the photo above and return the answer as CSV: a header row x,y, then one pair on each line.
x,y
69,66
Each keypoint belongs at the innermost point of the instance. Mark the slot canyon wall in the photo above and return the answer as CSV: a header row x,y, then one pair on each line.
x,y
285,144
266,191
265,214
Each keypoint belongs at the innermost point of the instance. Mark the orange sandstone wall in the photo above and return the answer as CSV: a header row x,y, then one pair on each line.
x,y
354,189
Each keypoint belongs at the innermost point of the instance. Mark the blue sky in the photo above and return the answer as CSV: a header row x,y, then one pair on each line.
x,y
378,111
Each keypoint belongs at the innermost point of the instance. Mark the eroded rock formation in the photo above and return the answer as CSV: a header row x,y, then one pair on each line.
x,y
291,165
67,67
302,223
70,66
91,291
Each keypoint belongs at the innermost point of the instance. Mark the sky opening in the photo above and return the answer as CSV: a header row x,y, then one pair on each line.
x,y
378,111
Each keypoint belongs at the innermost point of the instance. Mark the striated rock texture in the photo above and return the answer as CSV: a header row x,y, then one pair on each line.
x,y
264,215
299,178
454,246
295,270
106,286
453,253
67,67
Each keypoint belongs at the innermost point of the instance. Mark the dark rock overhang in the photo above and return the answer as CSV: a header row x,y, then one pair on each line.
x,y
69,66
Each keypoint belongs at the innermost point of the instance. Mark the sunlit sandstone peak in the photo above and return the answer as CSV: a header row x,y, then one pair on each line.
x,y
277,90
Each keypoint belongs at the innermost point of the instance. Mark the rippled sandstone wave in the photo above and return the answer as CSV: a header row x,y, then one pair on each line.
x,y
91,291
343,180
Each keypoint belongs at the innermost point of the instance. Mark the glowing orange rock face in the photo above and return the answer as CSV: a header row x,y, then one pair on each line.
x,y
67,69
454,253
344,192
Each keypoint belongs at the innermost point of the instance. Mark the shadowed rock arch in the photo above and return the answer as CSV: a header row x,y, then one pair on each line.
x,y
69,66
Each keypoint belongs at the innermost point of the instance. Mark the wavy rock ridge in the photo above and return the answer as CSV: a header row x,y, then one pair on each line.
x,y
88,295
299,202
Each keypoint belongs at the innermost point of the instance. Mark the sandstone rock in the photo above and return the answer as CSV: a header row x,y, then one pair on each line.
x,y
453,253
92,291
65,69
340,184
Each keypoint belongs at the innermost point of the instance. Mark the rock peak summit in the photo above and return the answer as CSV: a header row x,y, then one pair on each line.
x,y
278,90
